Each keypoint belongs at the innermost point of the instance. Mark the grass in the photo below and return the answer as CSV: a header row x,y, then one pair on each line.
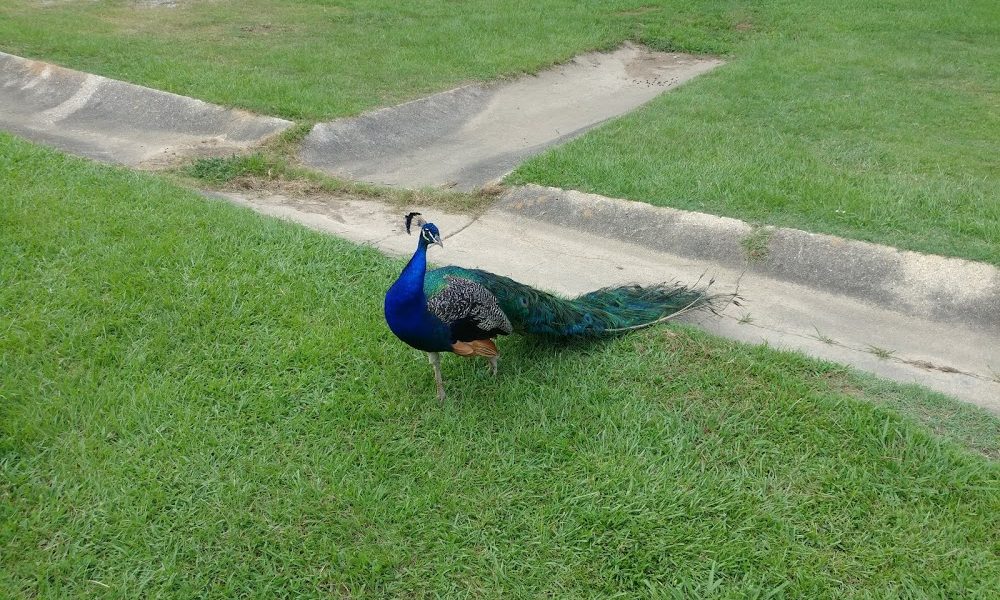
x,y
318,60
874,121
756,244
196,401
221,170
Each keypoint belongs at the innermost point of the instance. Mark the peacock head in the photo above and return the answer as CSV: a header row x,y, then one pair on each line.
x,y
429,234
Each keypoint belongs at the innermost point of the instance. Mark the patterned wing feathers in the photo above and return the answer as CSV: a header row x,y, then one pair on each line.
x,y
469,309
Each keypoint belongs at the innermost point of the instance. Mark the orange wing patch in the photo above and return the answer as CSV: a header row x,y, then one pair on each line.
x,y
475,348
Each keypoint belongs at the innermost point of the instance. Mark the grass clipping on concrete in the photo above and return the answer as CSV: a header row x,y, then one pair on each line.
x,y
196,401
271,172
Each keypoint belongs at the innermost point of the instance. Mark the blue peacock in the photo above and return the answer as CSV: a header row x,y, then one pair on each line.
x,y
459,310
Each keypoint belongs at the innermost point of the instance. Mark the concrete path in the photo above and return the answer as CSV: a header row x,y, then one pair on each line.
x,y
910,310
470,136
118,122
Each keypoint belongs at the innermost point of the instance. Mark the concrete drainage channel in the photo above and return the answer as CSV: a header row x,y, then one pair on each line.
x,y
910,317
118,122
474,135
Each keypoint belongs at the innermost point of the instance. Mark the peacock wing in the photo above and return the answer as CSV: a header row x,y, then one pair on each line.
x,y
468,308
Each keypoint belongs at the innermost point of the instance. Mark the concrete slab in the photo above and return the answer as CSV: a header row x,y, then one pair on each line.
x,y
470,136
954,357
118,122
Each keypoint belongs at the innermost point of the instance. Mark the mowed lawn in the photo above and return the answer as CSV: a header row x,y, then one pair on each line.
x,y
873,120
321,59
877,121
196,401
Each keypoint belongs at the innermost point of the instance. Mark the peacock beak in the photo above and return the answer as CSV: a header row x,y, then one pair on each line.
x,y
437,240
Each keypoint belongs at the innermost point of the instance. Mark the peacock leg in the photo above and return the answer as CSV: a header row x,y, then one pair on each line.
x,y
493,364
435,359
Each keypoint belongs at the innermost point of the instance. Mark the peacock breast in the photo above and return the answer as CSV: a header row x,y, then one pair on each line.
x,y
412,323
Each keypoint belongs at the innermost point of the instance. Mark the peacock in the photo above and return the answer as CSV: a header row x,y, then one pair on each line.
x,y
458,310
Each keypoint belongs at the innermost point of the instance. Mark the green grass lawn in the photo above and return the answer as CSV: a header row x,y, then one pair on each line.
x,y
197,401
322,59
877,121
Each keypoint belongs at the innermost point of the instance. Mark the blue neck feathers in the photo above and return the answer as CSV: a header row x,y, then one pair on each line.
x,y
410,285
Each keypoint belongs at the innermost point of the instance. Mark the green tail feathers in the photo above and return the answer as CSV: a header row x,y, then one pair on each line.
x,y
601,312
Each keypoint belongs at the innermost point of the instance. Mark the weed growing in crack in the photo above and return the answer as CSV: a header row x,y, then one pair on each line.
x,y
823,338
882,353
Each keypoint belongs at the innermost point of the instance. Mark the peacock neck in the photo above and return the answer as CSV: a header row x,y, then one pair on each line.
x,y
411,280
406,308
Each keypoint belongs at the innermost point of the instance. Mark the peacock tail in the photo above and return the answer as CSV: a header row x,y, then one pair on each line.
x,y
601,312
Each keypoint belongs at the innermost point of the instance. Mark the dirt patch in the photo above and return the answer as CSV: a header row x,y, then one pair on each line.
x,y
177,156
923,364
306,193
261,29
156,3
841,382
269,28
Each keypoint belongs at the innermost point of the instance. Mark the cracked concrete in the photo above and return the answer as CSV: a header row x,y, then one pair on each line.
x,y
954,357
118,122
472,135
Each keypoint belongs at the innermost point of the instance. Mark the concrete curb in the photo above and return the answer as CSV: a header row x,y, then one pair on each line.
x,y
933,287
470,136
954,359
119,122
